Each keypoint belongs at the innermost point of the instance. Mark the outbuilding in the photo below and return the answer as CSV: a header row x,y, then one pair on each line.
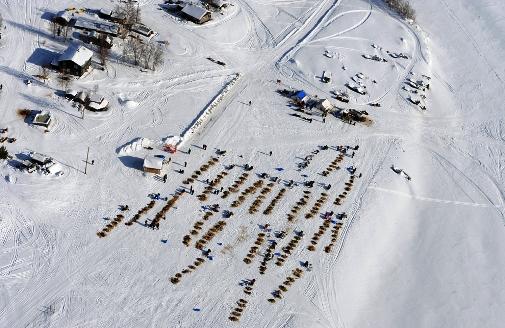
x,y
70,94
82,97
325,105
96,38
75,60
42,119
86,24
153,164
111,15
219,4
62,18
104,13
196,14
140,31
39,159
97,103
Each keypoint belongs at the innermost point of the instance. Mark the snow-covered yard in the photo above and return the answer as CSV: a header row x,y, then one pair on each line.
x,y
407,229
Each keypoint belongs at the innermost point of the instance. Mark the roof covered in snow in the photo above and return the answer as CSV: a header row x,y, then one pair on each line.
x,y
153,162
97,102
326,104
40,158
84,23
65,15
77,54
217,3
142,29
42,118
194,11
106,12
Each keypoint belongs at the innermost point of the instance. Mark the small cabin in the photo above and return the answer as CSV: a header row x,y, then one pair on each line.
x,y
42,119
28,166
86,24
196,14
97,103
81,97
39,159
62,18
325,105
153,164
76,60
104,13
140,31
70,94
96,38
218,4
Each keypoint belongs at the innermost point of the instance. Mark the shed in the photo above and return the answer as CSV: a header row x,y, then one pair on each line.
x,y
71,94
217,3
301,96
104,13
141,31
117,17
42,119
196,14
98,103
75,60
96,38
28,166
325,105
153,164
40,159
81,97
62,18
83,23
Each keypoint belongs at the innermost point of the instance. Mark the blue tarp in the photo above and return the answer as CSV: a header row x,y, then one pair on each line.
x,y
300,95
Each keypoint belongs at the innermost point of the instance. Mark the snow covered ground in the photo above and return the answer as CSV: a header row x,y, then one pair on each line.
x,y
425,252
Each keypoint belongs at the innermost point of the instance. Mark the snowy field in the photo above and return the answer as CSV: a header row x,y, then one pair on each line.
x,y
428,251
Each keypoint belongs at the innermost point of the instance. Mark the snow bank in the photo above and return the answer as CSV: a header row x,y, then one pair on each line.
x,y
135,145
208,111
131,104
172,140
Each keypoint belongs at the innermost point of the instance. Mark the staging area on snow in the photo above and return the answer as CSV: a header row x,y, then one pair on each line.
x,y
252,163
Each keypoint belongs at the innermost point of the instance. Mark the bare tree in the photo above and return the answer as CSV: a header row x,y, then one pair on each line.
x,y
402,7
65,30
64,81
158,57
55,28
103,49
44,73
130,10
132,50
4,154
1,25
146,55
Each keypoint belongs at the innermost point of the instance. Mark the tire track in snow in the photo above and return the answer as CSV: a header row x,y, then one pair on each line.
x,y
435,200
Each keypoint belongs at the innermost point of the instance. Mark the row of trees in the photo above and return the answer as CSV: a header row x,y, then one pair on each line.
x,y
130,11
59,30
146,55
403,8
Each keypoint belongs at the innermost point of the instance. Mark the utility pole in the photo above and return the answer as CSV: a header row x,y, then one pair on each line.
x,y
83,109
86,167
